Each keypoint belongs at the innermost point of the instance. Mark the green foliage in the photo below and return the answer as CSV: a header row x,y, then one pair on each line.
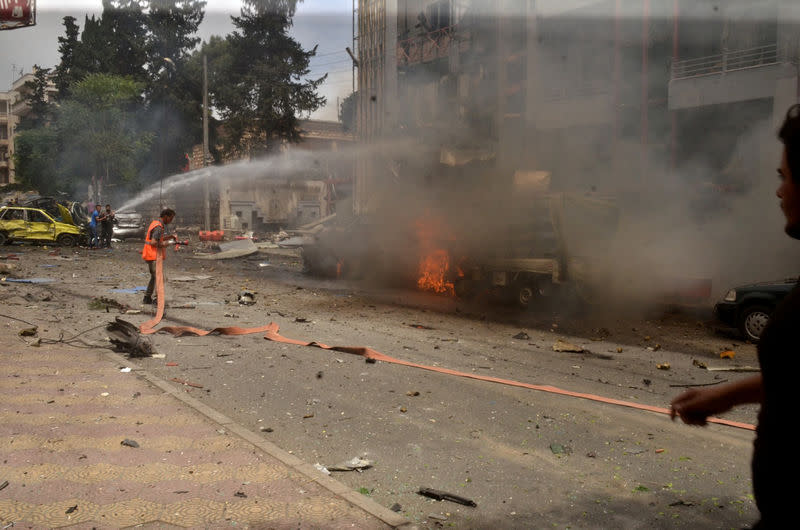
x,y
36,160
64,74
347,112
101,134
36,97
263,85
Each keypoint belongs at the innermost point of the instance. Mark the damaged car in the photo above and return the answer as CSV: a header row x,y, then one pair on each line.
x,y
748,308
20,223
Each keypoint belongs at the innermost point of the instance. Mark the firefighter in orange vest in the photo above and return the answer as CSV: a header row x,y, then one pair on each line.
x,y
155,242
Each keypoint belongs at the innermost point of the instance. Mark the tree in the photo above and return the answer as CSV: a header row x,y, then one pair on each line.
x,y
174,88
265,84
36,153
64,74
100,134
347,112
36,97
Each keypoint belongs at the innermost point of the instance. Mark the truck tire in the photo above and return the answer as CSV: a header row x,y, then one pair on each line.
x,y
752,321
67,240
525,294
4,239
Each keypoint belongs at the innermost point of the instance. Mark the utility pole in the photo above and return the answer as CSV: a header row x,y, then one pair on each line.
x,y
206,153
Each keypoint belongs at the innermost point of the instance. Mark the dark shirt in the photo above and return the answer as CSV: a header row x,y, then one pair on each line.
x,y
774,453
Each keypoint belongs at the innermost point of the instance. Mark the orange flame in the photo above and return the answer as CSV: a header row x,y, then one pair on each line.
x,y
433,270
434,264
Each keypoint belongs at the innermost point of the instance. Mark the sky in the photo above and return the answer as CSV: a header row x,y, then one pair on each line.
x,y
327,23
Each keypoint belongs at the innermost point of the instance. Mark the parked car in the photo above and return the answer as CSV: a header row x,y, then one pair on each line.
x,y
749,307
128,225
19,223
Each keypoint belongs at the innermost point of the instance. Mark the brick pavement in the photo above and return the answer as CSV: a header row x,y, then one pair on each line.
x,y
64,413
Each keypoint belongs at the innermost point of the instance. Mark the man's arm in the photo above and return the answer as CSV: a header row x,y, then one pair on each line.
x,y
696,405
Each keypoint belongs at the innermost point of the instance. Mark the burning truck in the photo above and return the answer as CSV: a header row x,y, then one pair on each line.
x,y
543,242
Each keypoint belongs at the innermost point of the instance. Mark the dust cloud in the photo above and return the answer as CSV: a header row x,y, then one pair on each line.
x,y
476,144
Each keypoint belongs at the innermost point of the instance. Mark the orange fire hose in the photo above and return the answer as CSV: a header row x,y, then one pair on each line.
x,y
271,334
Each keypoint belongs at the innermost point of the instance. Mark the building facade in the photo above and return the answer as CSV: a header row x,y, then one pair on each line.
x,y
612,93
13,108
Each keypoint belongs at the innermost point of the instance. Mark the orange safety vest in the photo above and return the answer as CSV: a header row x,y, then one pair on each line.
x,y
149,252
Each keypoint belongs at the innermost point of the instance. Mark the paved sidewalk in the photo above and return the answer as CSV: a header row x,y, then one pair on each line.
x,y
64,413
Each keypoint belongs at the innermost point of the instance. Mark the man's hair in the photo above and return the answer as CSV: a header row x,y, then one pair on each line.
x,y
789,134
108,206
167,212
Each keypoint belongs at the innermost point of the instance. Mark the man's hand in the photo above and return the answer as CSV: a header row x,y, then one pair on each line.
x,y
695,405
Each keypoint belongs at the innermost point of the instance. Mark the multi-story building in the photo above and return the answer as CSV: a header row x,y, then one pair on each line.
x,y
6,128
604,94
13,107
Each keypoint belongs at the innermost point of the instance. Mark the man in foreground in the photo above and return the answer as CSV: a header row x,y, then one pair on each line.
x,y
774,457
155,243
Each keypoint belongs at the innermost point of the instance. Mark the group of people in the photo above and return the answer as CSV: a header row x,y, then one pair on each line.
x,y
101,227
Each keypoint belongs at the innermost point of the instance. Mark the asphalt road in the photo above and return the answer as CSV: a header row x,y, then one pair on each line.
x,y
529,459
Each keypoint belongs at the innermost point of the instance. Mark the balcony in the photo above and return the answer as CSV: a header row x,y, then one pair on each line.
x,y
732,76
431,46
730,61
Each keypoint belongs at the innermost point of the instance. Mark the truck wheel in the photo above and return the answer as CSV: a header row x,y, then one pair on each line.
x,y
4,239
753,320
525,294
67,240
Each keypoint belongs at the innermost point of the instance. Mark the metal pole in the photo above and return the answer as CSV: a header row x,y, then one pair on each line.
x,y
206,154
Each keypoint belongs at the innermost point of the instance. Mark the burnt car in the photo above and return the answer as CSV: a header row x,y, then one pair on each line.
x,y
128,225
749,307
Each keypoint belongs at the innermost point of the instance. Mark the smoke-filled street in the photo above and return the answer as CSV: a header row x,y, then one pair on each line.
x,y
538,457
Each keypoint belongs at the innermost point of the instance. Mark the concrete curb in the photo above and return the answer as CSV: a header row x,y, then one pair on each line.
x,y
358,500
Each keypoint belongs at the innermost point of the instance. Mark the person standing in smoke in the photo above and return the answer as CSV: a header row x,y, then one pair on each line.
x,y
94,239
107,227
773,449
155,242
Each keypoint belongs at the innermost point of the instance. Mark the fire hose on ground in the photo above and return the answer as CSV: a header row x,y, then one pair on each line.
x,y
271,333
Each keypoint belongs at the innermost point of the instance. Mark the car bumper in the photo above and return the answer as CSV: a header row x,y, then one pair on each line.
x,y
726,313
128,232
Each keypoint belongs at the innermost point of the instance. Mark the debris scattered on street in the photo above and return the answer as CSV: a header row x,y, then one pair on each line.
x,y
563,346
322,468
727,354
733,369
445,496
240,494
437,517
412,393
301,319
699,364
131,290
521,336
126,338
125,370
420,326
309,415
30,280
185,383
127,442
396,507
72,509
558,449
354,464
4,485
663,366
267,429
28,332
101,303
246,298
